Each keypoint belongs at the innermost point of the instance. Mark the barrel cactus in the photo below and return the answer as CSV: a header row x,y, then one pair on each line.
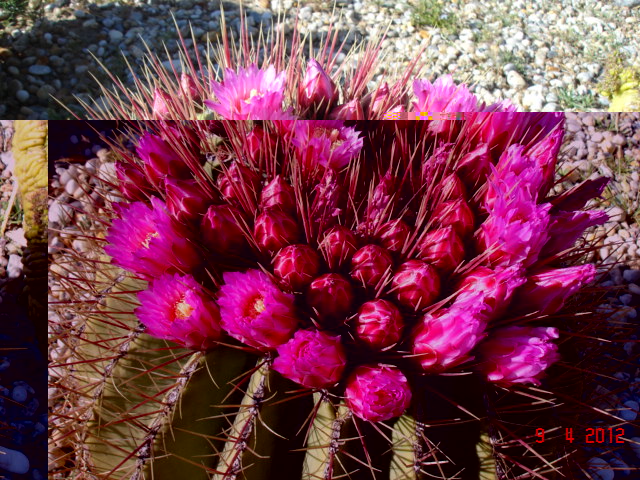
x,y
29,145
330,299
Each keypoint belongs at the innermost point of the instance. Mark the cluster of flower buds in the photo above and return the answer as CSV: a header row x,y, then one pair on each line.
x,y
356,272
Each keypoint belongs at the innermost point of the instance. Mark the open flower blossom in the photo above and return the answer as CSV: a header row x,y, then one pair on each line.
x,y
255,311
377,393
312,359
249,94
148,241
326,142
518,354
175,307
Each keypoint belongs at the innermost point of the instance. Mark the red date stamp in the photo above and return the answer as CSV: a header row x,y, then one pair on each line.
x,y
591,435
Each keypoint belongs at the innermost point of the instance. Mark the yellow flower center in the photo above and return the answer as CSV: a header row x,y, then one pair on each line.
x,y
333,135
145,244
255,306
253,93
182,309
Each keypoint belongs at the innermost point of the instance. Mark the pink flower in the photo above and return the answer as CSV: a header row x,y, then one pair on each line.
x,y
443,96
239,184
176,308
250,94
326,142
160,160
189,88
133,183
373,103
443,339
317,88
311,358
296,266
146,240
377,393
547,290
394,235
577,197
416,284
516,229
567,227
352,110
518,354
496,287
255,311
455,213
378,324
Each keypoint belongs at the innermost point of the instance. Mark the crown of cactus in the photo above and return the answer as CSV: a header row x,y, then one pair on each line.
x,y
325,298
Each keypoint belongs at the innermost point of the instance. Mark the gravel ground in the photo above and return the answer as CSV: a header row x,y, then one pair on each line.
x,y
23,416
595,144
543,55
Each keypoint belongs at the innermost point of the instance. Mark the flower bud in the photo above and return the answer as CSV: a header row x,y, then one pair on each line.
x,y
189,87
133,184
348,111
160,160
238,182
278,193
274,229
373,102
296,266
331,295
221,230
160,104
186,199
311,358
317,88
254,311
518,354
455,213
453,188
416,284
443,249
176,308
378,324
370,264
338,246
547,291
377,393
394,235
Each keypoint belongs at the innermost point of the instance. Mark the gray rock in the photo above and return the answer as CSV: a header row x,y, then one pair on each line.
x,y
22,96
631,275
115,36
515,80
39,69
13,461
14,266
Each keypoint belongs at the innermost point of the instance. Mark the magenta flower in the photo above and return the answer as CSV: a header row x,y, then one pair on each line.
x,y
160,160
221,230
311,358
176,308
326,142
547,290
189,88
377,393
254,311
394,235
567,227
278,194
338,246
274,229
352,110
296,266
146,240
518,354
416,284
160,104
133,183
442,248
370,265
443,339
496,287
250,94
317,88
187,200
378,324
443,95
331,296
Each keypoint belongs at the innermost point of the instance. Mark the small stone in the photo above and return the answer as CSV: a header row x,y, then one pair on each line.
x,y
14,266
19,394
71,186
631,275
22,96
39,69
630,410
13,461
626,298
633,288
515,80
616,214
115,36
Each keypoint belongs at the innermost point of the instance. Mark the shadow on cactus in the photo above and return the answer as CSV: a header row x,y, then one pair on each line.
x,y
324,300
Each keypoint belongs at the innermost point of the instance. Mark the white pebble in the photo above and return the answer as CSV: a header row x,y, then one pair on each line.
x,y
14,267
13,461
71,186
19,394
